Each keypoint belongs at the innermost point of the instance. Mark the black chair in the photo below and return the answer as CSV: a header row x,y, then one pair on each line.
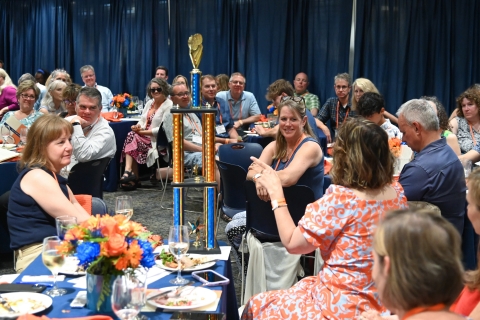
x,y
232,191
260,217
87,177
239,153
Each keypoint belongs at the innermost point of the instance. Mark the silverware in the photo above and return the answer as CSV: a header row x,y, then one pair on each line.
x,y
6,305
198,264
177,290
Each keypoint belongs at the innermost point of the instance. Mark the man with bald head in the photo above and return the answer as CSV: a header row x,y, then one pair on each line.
x,y
311,100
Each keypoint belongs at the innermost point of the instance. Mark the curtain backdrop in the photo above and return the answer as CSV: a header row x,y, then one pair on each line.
x,y
414,48
407,48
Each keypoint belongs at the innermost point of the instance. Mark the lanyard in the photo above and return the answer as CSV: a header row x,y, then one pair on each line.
x,y
218,107
194,125
291,156
473,136
346,116
414,311
231,111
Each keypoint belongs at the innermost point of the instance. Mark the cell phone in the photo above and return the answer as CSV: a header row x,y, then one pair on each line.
x,y
210,278
198,316
13,287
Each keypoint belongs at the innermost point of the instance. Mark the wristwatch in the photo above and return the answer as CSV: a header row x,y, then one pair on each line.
x,y
76,123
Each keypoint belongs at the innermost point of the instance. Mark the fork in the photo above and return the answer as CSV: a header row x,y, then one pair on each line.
x,y
6,305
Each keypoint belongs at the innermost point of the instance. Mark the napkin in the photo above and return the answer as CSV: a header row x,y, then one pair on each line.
x,y
47,278
33,317
109,116
85,200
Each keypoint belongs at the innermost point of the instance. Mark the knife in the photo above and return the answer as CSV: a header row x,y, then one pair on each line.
x,y
177,289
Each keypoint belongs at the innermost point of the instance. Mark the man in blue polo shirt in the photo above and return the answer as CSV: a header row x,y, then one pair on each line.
x,y
436,174
224,124
243,106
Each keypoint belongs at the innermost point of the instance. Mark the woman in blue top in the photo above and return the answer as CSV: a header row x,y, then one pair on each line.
x,y
295,155
27,94
40,194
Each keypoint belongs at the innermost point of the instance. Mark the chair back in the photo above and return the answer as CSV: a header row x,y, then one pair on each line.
x,y
9,173
163,144
99,206
233,191
239,153
87,177
261,218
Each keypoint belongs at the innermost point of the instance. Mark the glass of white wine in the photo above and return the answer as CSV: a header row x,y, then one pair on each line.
x,y
124,206
63,224
178,244
53,260
128,296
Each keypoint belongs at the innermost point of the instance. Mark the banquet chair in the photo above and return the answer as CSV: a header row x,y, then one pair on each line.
x,y
263,241
231,199
239,153
99,206
8,174
87,177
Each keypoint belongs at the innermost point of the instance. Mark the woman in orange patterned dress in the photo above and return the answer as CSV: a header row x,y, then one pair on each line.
x,y
341,224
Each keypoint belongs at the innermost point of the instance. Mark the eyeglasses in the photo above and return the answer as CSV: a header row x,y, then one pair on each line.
x,y
294,99
182,94
27,97
342,87
153,90
241,83
69,101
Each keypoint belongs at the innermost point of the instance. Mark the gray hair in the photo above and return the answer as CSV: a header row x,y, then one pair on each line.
x,y
342,76
86,68
238,74
47,98
419,110
27,76
91,93
176,84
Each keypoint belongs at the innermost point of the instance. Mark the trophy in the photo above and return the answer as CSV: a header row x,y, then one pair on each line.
x,y
196,53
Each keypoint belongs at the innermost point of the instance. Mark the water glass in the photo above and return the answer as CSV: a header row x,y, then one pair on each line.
x,y
140,106
124,206
5,135
467,167
178,244
63,224
115,113
128,296
53,260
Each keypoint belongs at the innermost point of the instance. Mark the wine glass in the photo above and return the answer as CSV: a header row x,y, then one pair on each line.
x,y
124,206
467,167
115,113
63,224
140,106
141,274
53,260
5,135
178,243
23,136
128,296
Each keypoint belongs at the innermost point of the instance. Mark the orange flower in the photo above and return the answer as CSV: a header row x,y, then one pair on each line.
x,y
395,145
115,245
109,226
76,233
92,223
131,258
65,247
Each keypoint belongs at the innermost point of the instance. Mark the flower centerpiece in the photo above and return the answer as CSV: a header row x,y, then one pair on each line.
x,y
395,146
123,102
109,246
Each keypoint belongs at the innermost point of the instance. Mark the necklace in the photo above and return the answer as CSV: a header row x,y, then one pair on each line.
x,y
289,156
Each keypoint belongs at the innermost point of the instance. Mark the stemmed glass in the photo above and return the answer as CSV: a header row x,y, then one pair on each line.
x,y
124,206
178,243
5,135
53,260
115,113
63,224
128,296
23,136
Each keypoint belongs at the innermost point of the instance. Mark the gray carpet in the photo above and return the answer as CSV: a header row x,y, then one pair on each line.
x,y
148,212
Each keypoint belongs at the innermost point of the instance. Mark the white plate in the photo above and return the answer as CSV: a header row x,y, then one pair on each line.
x,y
70,267
40,301
200,297
195,268
8,145
130,119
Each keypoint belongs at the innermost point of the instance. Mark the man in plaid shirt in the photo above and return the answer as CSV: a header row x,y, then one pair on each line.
x,y
338,108
311,100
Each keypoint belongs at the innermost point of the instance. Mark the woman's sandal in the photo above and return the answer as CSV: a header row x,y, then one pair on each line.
x,y
127,177
131,185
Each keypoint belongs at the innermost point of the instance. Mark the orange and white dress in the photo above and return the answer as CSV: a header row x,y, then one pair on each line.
x,y
342,226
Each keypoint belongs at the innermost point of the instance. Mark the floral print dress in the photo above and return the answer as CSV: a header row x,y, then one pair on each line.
x,y
136,145
342,226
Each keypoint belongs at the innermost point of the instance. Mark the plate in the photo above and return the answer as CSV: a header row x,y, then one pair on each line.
x,y
25,302
71,267
197,296
195,268
8,146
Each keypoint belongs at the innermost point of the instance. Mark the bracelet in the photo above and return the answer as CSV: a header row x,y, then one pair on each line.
x,y
279,206
256,176
226,140
277,202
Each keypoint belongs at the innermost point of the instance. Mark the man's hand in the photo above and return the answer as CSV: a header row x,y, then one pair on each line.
x,y
83,123
238,124
326,131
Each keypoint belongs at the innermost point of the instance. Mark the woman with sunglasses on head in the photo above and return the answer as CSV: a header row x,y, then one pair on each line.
x,y
27,94
141,143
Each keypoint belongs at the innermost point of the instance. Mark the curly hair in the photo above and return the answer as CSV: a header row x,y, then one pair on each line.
x,y
361,156
277,88
470,94
441,113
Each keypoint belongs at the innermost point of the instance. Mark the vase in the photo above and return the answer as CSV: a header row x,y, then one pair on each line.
x,y
123,111
94,291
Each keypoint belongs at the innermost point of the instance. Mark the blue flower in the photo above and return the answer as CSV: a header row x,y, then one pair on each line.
x,y
148,259
126,103
87,252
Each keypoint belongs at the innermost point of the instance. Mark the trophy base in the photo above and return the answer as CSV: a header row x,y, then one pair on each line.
x,y
202,250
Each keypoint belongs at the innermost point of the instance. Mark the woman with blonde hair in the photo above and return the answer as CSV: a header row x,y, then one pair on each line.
x,y
52,102
222,82
40,193
8,91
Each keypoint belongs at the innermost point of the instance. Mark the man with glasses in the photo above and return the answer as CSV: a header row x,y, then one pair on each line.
x,y
243,106
338,108
92,136
88,76
311,100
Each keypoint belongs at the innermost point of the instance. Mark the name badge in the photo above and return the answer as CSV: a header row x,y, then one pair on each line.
x,y
220,129
336,134
197,139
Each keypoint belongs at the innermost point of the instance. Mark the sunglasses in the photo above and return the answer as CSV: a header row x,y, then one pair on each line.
x,y
153,90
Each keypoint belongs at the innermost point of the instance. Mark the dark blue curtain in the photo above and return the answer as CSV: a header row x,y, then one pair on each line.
x,y
414,48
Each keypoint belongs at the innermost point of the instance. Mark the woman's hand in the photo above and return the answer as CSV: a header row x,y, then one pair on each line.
x,y
268,183
136,128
